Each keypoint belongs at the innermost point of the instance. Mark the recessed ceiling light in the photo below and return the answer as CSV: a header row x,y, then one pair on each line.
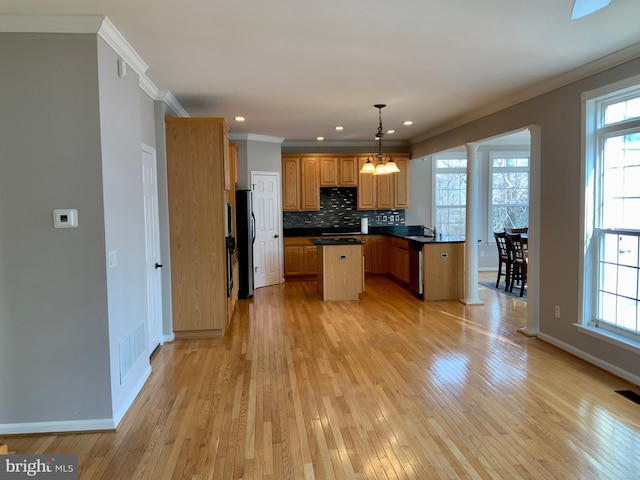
x,y
239,119
339,128
407,122
320,139
391,131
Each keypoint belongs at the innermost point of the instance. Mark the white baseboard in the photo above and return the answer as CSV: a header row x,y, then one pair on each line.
x,y
630,377
99,424
92,425
117,418
168,338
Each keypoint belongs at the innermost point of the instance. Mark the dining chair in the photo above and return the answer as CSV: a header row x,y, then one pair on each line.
x,y
504,258
519,261
517,230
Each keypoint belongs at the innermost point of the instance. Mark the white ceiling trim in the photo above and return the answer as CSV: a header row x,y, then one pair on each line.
x,y
115,40
255,137
597,66
149,87
167,97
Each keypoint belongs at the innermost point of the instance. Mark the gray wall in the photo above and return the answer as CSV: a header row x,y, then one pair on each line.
x,y
54,351
123,217
147,119
558,113
256,155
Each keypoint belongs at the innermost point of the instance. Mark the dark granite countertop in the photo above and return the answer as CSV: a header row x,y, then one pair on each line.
x,y
408,232
336,241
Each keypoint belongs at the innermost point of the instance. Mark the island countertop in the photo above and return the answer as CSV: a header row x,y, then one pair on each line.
x,y
336,241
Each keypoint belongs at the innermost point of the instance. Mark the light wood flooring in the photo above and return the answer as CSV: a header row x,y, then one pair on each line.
x,y
388,387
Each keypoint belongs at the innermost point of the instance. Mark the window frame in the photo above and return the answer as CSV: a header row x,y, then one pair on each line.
x,y
452,155
595,133
492,154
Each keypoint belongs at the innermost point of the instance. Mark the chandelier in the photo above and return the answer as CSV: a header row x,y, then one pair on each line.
x,y
381,164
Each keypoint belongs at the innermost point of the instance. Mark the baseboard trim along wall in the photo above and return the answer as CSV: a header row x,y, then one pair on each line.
x,y
630,377
93,425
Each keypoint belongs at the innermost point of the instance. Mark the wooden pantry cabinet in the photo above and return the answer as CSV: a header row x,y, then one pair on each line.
x,y
300,183
197,170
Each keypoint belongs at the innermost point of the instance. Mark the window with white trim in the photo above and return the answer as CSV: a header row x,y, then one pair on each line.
x,y
450,193
612,205
509,173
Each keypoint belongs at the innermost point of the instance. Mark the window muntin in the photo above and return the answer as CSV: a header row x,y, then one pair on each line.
x,y
615,143
509,190
450,194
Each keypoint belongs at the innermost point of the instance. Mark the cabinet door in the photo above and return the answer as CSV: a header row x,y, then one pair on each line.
x,y
380,254
293,260
401,183
384,191
348,172
366,190
329,168
290,184
405,266
310,189
368,253
310,260
396,263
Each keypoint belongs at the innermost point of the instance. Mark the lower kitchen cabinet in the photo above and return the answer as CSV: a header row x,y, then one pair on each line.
x,y
443,271
300,257
400,259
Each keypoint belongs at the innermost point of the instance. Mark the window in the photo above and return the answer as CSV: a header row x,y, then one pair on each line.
x,y
612,204
450,191
509,190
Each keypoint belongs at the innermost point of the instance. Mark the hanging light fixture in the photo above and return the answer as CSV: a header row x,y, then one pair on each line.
x,y
382,164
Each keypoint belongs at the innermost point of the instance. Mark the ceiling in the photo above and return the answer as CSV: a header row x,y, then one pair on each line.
x,y
297,69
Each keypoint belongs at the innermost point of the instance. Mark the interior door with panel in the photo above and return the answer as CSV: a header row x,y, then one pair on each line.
x,y
152,248
267,257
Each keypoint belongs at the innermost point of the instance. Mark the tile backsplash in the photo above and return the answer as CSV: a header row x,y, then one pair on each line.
x,y
338,208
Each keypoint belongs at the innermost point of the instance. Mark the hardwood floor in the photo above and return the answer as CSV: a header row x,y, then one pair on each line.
x,y
385,388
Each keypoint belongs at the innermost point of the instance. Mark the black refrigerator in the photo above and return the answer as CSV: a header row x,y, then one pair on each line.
x,y
246,236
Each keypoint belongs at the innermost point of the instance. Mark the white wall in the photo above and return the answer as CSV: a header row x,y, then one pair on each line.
x,y
121,140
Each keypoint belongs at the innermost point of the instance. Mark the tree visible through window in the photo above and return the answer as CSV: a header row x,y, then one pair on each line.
x,y
451,195
509,190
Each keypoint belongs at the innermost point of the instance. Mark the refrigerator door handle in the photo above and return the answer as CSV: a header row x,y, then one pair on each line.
x,y
253,228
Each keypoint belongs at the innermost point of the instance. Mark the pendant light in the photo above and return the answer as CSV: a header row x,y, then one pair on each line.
x,y
382,164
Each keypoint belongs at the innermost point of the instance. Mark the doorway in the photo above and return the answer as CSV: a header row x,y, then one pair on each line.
x,y
267,249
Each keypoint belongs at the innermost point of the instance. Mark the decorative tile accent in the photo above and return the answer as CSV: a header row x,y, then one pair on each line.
x,y
339,208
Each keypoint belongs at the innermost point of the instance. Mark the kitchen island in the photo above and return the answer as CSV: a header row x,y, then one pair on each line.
x,y
340,271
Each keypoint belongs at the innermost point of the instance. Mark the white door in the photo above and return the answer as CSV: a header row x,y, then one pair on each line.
x,y
267,259
152,247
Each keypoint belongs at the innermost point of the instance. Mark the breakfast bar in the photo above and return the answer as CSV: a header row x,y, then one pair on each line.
x,y
340,268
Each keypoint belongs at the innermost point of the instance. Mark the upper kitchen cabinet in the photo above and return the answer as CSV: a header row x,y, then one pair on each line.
x,y
401,183
338,171
197,155
383,192
300,185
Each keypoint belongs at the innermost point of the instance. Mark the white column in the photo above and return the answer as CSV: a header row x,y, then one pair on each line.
x,y
471,234
533,269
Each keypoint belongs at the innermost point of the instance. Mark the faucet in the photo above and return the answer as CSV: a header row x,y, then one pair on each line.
x,y
431,230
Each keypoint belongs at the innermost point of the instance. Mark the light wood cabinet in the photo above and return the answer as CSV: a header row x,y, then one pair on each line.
x,y
401,183
366,188
329,171
443,271
348,172
400,259
290,184
197,151
300,257
380,254
384,191
300,183
310,189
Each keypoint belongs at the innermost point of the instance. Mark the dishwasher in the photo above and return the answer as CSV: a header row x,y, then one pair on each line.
x,y
415,267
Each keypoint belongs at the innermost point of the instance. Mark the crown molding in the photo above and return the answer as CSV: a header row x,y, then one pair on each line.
x,y
600,65
110,34
149,87
255,137
167,97
341,143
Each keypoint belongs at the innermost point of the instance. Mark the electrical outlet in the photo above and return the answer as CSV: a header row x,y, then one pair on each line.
x,y
377,218
384,218
397,218
557,311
